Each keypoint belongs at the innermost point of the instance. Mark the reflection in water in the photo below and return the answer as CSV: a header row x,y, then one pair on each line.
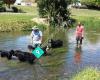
x,y
93,37
93,34
78,53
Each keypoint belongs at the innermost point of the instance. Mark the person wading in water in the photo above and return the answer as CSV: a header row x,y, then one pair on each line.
x,y
79,34
36,36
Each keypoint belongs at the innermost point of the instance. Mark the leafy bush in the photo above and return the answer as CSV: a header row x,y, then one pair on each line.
x,y
54,10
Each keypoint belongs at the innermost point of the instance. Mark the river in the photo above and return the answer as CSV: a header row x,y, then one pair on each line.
x,y
74,60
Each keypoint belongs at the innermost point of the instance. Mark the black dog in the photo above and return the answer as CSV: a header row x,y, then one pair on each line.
x,y
55,43
7,54
25,56
22,56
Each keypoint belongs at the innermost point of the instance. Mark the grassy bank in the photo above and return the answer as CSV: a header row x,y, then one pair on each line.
x,y
90,18
88,74
23,25
19,21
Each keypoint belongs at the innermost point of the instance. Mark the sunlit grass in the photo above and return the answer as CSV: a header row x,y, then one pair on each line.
x,y
88,74
89,18
19,21
28,13
85,12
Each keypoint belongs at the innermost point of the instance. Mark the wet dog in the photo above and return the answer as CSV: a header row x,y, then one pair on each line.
x,y
22,56
7,54
25,56
55,43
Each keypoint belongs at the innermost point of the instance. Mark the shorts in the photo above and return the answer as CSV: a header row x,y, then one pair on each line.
x,y
79,38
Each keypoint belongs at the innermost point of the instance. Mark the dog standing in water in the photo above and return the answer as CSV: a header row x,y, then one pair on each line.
x,y
55,43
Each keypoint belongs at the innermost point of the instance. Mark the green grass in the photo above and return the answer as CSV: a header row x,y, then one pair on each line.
x,y
30,12
90,18
88,74
29,9
19,21
85,12
14,17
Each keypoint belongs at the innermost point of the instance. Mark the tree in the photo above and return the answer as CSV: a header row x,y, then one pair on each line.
x,y
55,10
9,2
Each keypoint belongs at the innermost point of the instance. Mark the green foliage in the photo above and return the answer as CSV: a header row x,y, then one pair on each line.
x,y
54,8
19,21
91,2
19,26
90,18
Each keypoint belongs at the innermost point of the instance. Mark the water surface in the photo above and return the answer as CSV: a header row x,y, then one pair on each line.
x,y
74,59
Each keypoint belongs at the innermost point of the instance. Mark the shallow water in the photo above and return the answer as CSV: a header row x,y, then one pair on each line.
x,y
74,60
88,55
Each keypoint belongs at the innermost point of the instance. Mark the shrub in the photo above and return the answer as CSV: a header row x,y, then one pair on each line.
x,y
55,10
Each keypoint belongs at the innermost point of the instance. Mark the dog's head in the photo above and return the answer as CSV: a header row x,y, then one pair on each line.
x,y
30,47
12,52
